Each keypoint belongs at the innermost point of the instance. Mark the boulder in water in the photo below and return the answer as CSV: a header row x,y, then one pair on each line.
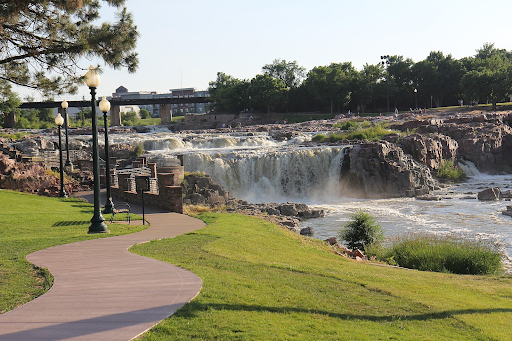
x,y
489,194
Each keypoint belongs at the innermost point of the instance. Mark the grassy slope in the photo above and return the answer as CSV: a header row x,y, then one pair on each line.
x,y
29,223
261,282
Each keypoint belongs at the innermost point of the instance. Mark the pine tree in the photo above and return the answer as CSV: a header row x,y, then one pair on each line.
x,y
42,41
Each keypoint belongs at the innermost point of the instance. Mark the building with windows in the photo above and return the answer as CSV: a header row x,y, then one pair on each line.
x,y
154,109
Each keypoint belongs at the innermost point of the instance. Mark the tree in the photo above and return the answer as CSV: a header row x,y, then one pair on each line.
x,y
129,118
267,92
400,78
41,42
362,231
490,77
9,100
331,83
290,73
438,76
229,93
144,113
365,85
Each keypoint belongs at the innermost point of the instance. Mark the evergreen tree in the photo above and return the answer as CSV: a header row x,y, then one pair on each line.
x,y
42,41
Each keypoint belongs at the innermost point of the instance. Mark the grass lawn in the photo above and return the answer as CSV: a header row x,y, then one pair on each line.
x,y
261,282
152,121
29,223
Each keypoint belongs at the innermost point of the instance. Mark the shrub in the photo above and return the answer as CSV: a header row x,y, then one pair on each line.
x,y
362,231
138,150
449,171
319,138
347,125
441,254
129,118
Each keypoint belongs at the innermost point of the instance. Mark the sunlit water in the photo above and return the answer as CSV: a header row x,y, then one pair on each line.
x,y
257,168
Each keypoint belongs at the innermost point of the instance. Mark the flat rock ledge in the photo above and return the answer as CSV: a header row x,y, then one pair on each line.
x,y
288,214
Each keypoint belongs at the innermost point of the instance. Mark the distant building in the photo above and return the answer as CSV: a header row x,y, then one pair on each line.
x,y
154,109
123,93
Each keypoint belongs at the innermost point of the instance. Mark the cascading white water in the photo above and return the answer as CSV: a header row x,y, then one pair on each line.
x,y
255,167
274,175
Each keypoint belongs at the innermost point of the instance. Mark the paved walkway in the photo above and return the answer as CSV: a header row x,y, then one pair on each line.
x,y
102,291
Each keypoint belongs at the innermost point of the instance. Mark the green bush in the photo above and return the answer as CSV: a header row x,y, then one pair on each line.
x,y
319,138
129,118
449,171
347,125
441,254
362,231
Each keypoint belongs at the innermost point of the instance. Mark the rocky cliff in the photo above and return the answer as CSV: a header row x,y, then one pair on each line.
x,y
381,170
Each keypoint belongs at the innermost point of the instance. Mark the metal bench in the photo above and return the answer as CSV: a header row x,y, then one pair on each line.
x,y
121,207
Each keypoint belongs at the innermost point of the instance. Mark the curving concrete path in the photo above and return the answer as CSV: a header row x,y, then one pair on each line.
x,y
104,292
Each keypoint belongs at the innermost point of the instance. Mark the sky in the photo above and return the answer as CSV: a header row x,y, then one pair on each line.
x,y
185,43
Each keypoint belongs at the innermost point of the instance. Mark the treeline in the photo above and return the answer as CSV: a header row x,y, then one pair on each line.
x,y
436,81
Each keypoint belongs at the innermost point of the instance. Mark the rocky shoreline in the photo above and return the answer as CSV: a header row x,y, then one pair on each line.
x,y
400,165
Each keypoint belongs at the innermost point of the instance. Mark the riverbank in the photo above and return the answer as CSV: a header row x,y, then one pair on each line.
x,y
263,282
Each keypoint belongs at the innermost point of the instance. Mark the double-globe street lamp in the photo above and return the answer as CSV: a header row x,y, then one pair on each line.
x,y
92,79
59,121
64,106
109,205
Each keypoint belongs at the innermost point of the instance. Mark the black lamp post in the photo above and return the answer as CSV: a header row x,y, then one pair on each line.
x,y
59,121
105,107
92,79
385,62
64,106
416,98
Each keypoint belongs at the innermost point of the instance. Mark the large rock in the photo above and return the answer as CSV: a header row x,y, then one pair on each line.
x,y
430,150
383,170
490,194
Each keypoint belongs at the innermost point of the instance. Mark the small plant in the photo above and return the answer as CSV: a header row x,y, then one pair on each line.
x,y
139,150
362,231
449,171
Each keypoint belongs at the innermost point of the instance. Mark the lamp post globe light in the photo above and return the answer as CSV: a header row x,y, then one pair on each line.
x,y
64,106
92,79
105,107
416,98
385,62
59,121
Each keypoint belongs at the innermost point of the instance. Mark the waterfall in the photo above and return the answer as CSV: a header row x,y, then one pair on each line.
x,y
274,175
469,168
253,166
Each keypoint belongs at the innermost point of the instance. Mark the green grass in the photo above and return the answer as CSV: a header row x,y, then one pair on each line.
x,y
261,282
153,121
450,253
29,223
15,136
353,130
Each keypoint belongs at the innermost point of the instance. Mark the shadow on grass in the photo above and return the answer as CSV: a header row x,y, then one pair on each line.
x,y
71,223
192,307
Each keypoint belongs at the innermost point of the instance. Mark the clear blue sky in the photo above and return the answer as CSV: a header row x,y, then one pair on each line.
x,y
185,43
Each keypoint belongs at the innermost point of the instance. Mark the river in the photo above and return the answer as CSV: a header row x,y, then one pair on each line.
x,y
254,167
